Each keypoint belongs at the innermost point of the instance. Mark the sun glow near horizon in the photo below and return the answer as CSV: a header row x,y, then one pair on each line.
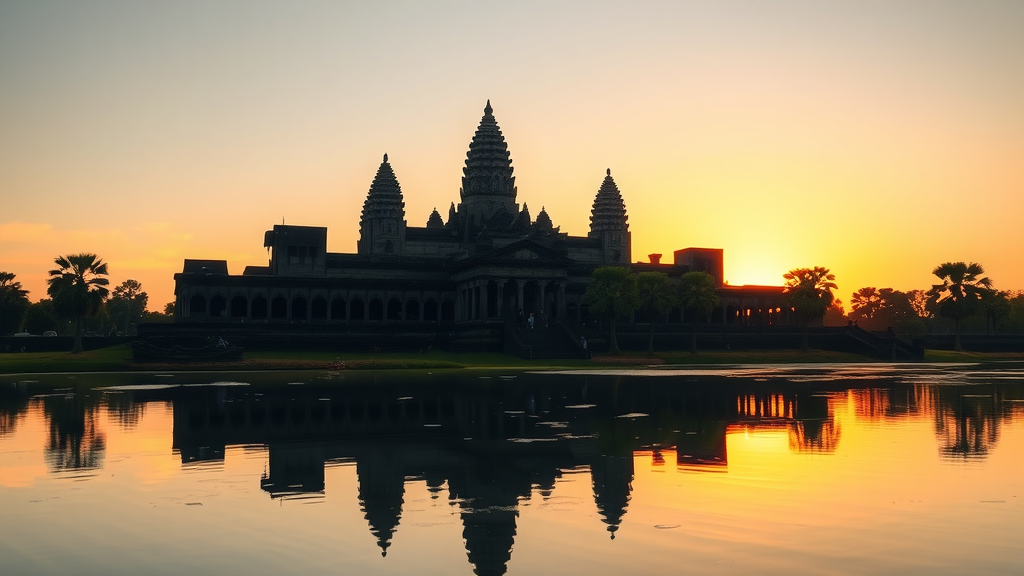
x,y
875,140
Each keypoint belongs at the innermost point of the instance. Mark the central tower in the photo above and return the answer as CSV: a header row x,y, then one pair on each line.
x,y
488,186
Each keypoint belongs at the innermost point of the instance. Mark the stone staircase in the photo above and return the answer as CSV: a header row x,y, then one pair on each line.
x,y
542,343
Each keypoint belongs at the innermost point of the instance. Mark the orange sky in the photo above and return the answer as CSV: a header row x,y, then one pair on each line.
x,y
877,139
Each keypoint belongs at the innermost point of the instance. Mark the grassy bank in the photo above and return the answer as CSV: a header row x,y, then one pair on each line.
x,y
118,359
951,356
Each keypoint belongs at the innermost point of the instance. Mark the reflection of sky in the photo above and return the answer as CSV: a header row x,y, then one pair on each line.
x,y
774,508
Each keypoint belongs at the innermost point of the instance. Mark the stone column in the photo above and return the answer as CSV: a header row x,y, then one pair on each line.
x,y
542,289
561,301
520,305
482,299
458,304
474,300
501,296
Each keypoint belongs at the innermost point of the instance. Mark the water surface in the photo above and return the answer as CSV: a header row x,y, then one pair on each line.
x,y
769,470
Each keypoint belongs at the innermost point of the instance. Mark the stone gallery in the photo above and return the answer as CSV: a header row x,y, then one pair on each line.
x,y
488,261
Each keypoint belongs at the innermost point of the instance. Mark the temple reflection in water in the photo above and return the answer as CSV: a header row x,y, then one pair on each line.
x,y
493,443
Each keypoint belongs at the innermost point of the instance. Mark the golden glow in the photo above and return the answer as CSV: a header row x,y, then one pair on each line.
x,y
850,136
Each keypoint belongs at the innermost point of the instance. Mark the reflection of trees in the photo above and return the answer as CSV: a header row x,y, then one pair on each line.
x,y
814,436
13,402
75,440
966,421
128,412
891,402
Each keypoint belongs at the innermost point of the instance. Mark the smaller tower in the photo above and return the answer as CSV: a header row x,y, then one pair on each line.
x,y
608,221
434,221
382,224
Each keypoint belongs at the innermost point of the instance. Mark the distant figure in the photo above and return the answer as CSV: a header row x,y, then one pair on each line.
x,y
522,319
728,347
583,343
544,319
531,320
221,342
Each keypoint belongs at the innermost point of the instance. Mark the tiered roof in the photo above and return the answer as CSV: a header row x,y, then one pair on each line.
x,y
434,221
488,170
609,212
384,201
543,222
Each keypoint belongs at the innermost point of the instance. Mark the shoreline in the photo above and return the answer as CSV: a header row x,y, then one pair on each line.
x,y
117,360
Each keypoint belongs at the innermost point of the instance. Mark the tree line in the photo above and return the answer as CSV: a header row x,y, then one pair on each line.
x,y
963,298
79,301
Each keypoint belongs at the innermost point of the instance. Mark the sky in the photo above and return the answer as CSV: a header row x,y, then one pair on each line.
x,y
877,139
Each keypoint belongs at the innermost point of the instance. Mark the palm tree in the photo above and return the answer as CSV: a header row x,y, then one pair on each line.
x,y
698,292
78,288
612,294
809,291
655,297
867,303
13,303
960,294
996,306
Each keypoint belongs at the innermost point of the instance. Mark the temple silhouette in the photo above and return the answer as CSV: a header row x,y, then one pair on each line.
x,y
487,262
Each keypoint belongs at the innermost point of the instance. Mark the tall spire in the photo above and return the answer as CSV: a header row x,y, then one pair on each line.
x,y
488,170
608,221
609,211
382,223
385,197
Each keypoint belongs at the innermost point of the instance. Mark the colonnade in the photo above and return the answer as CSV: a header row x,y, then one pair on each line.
x,y
484,299
303,305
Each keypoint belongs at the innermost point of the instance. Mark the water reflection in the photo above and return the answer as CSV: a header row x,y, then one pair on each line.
x,y
495,443
76,442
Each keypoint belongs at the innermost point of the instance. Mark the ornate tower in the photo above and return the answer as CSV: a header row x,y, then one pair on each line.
x,y
488,186
608,221
382,224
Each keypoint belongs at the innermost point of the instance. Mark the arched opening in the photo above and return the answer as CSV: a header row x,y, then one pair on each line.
x,y
376,310
318,310
217,306
357,310
394,309
278,308
338,309
197,306
531,299
299,308
239,307
412,310
430,310
447,311
259,307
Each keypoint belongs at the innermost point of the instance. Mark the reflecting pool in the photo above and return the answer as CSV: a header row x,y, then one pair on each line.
x,y
846,469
